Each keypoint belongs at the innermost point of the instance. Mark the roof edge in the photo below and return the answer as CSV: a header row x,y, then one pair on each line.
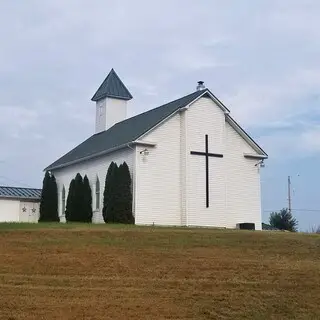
x,y
254,156
95,155
27,188
20,198
172,113
246,136
110,96
218,102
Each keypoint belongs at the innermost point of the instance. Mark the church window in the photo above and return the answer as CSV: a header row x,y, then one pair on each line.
x,y
97,193
63,201
101,109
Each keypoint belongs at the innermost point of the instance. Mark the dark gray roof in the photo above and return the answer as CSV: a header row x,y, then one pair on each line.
x,y
112,87
16,192
123,132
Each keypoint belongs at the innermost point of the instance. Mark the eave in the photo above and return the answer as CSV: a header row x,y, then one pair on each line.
x,y
32,199
98,154
260,152
254,156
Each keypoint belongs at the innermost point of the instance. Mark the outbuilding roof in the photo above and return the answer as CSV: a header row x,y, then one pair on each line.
x,y
18,192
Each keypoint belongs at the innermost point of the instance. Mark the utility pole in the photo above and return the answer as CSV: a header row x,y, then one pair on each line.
x,y
289,194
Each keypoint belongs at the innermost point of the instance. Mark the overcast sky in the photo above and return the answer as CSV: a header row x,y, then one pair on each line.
x,y
261,58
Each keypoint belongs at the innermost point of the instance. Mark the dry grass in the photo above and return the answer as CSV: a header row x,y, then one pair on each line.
x,y
112,272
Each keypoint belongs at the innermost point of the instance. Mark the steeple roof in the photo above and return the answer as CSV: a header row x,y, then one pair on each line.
x,y
112,87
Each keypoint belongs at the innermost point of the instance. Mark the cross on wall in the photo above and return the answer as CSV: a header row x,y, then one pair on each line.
x,y
207,154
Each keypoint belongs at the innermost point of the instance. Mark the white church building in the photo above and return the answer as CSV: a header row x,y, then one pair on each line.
x,y
191,163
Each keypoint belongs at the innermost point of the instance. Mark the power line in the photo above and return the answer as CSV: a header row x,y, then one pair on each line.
x,y
314,210
310,210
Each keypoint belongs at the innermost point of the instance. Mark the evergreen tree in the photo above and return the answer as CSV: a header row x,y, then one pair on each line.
x,y
123,196
79,201
79,208
127,193
108,194
49,200
87,199
70,207
283,220
117,196
54,214
45,199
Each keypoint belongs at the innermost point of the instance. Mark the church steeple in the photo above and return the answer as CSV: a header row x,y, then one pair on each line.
x,y
111,102
112,87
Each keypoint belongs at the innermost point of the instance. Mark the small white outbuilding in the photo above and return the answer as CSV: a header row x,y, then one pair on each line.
x,y
19,204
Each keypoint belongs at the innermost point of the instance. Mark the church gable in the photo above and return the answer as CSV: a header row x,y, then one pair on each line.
x,y
205,158
209,112
205,117
222,176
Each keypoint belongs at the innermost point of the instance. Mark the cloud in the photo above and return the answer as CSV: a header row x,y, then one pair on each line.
x,y
293,144
266,103
24,119
260,59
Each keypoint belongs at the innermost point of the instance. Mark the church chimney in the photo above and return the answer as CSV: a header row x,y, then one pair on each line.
x,y
111,102
200,86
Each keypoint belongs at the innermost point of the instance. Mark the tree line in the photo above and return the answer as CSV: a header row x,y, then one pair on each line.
x,y
117,198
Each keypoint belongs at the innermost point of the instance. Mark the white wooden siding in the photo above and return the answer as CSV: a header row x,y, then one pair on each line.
x,y
243,182
101,119
112,111
205,117
93,168
171,183
11,210
234,181
183,166
158,192
28,215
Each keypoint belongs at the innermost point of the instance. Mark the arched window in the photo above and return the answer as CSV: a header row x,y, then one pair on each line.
x,y
97,193
63,201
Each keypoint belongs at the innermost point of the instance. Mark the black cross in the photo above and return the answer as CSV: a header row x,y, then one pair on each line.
x,y
207,155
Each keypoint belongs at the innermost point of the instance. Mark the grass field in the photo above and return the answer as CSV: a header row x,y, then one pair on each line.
x,y
116,272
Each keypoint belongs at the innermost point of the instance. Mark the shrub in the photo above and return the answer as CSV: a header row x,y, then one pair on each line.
x,y
283,220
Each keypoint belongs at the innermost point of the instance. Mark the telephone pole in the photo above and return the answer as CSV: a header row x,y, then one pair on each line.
x,y
289,194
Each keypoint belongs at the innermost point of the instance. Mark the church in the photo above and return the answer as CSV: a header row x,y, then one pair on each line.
x,y
191,163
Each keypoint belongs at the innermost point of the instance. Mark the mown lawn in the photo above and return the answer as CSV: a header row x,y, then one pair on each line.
x,y
58,271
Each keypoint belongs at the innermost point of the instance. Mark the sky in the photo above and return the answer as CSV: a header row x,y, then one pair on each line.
x,y
261,58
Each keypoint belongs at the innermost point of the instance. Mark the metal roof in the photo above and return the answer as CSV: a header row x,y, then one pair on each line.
x,y
112,87
17,192
124,132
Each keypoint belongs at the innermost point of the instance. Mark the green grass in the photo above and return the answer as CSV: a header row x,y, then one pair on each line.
x,y
53,225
